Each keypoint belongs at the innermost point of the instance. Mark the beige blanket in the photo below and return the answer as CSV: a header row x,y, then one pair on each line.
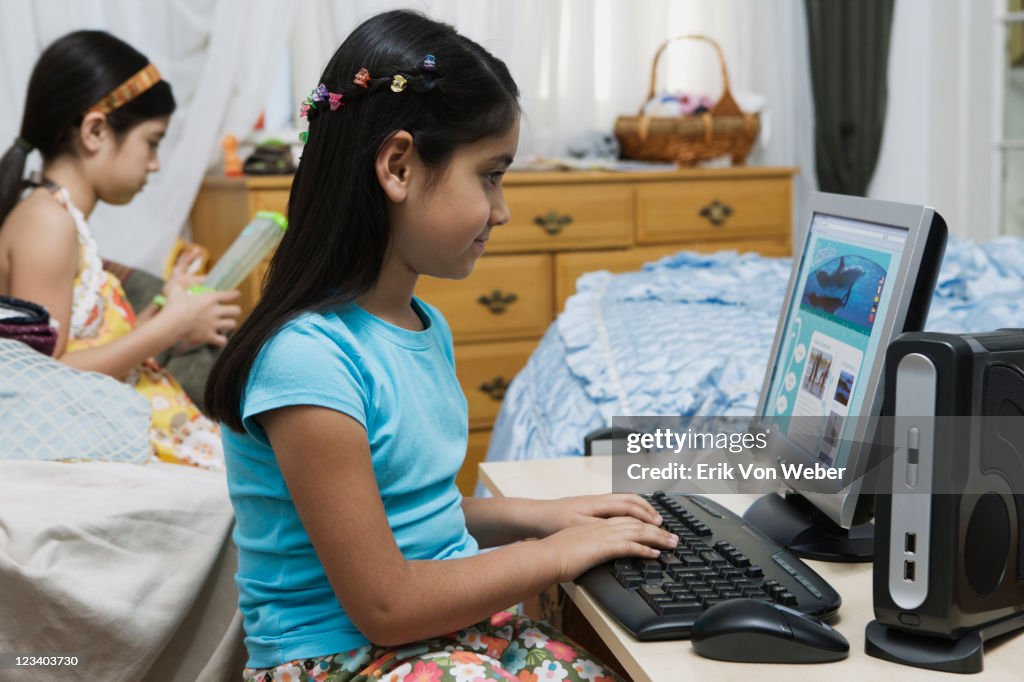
x,y
128,567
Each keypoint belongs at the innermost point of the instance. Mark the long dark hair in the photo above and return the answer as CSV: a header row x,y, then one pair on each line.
x,y
338,230
73,74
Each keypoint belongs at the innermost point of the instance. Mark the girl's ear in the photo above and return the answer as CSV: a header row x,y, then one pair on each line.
x,y
93,131
395,161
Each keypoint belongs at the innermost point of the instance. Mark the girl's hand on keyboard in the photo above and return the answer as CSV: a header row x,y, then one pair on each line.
x,y
581,547
551,516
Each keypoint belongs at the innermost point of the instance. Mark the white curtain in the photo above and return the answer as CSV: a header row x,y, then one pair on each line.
x,y
581,63
218,56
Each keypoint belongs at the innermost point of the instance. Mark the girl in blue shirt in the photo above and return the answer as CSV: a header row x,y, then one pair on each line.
x,y
346,426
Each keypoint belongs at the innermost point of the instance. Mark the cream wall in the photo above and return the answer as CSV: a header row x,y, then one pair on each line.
x,y
937,147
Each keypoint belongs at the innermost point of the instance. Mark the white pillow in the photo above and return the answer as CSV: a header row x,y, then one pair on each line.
x,y
50,411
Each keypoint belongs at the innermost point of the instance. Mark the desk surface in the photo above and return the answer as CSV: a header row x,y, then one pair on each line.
x,y
672,661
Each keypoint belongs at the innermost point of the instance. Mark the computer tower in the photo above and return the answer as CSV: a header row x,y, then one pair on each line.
x,y
949,556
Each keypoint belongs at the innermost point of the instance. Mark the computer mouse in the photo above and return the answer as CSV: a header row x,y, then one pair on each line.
x,y
753,631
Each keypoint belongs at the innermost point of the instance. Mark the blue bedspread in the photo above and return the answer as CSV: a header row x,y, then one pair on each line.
x,y
691,334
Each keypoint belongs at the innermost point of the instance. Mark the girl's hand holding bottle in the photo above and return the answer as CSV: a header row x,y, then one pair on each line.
x,y
201,317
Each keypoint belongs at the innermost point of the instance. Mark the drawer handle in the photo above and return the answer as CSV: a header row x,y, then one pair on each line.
x,y
552,222
716,212
497,302
495,388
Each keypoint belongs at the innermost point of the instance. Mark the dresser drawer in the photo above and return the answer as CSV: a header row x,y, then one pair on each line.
x,y
713,209
271,200
566,217
476,451
505,297
485,371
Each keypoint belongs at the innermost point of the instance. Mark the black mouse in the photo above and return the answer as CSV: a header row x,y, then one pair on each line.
x,y
754,631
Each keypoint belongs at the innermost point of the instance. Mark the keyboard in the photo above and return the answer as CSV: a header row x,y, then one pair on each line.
x,y
719,557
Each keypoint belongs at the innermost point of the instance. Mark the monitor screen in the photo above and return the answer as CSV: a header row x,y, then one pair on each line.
x,y
842,298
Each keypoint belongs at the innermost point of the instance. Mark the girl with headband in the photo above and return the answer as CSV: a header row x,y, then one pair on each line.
x,y
96,110
343,421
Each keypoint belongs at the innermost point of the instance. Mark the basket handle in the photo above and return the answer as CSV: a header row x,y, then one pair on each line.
x,y
726,105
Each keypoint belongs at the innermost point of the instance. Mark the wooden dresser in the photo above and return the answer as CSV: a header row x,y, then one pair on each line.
x,y
563,224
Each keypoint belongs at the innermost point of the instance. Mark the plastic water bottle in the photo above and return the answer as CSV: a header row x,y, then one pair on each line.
x,y
257,239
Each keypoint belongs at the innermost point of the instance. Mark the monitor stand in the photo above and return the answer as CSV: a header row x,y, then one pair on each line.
x,y
798,525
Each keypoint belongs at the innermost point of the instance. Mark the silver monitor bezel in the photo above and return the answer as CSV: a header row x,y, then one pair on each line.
x,y
841,503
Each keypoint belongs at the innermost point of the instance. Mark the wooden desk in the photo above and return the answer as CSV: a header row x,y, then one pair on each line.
x,y
674,661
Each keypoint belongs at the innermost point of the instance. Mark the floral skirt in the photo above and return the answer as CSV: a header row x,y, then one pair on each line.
x,y
179,433
505,647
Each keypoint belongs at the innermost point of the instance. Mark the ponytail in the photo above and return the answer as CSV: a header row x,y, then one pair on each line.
x,y
12,170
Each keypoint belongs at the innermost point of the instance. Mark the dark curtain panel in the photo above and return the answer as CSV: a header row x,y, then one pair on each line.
x,y
849,55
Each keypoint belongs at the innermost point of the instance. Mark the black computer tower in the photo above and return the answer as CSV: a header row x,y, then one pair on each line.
x,y
949,556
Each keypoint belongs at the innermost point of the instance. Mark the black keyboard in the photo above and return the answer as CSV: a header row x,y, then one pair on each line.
x,y
719,557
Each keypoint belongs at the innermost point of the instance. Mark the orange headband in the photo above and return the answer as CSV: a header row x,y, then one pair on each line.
x,y
143,80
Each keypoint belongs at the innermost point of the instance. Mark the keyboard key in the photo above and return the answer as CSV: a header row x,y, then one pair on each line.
x,y
712,558
688,600
651,591
671,561
653,594
754,571
690,560
686,574
678,608
630,579
652,564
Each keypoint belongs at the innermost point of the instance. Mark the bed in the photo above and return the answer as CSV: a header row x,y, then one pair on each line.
x,y
128,567
690,334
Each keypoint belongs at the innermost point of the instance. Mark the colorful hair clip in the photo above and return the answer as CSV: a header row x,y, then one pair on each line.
x,y
429,63
362,76
398,83
320,94
304,137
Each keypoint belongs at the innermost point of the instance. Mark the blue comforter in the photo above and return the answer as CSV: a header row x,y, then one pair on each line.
x,y
691,333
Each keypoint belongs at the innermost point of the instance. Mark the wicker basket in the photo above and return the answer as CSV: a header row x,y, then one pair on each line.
x,y
725,130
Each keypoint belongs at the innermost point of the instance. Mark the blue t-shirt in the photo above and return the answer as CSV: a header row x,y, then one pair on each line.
x,y
401,386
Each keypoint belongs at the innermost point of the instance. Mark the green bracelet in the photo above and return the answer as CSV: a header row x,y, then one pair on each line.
x,y
159,301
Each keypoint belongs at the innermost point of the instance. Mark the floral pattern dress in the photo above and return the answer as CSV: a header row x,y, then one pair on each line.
x,y
504,647
100,313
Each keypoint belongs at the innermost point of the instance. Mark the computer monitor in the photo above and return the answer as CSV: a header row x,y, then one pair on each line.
x,y
866,273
